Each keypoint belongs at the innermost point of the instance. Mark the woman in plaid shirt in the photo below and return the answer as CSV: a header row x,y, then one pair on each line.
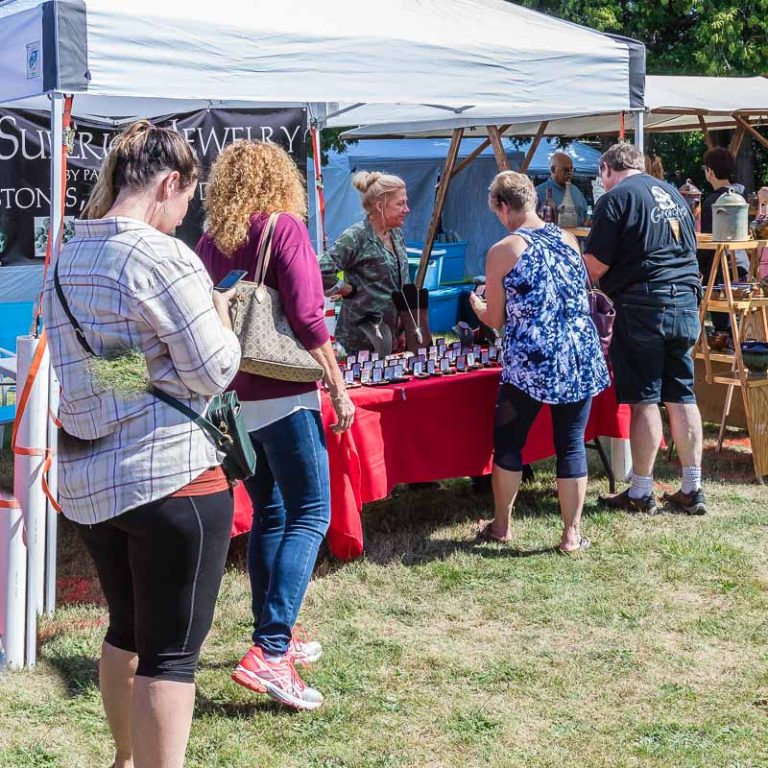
x,y
141,482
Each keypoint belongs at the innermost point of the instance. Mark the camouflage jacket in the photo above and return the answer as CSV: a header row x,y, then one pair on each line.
x,y
374,272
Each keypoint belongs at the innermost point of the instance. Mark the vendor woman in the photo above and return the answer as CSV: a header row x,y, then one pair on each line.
x,y
372,256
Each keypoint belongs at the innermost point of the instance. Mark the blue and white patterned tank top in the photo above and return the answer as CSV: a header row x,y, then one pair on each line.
x,y
551,347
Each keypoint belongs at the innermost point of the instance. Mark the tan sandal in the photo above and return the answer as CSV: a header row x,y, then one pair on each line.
x,y
584,544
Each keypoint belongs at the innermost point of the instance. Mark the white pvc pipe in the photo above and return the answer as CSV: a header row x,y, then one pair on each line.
x,y
32,432
13,585
52,519
621,458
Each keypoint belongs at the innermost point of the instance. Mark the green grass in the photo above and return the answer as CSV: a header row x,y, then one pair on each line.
x,y
650,650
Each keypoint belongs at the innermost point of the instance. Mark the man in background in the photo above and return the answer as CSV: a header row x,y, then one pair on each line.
x,y
561,170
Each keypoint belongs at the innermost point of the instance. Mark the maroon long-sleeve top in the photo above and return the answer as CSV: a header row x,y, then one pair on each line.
x,y
295,274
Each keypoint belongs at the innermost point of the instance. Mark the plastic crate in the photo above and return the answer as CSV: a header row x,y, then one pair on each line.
x,y
454,258
444,308
434,267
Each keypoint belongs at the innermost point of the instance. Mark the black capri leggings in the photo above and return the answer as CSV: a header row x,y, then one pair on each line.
x,y
160,567
515,413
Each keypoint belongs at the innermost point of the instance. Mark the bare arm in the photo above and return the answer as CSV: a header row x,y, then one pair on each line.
x,y
501,258
345,409
595,267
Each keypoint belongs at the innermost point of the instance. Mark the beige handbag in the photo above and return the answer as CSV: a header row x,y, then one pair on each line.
x,y
269,347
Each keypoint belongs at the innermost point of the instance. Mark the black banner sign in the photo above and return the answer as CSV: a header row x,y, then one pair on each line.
x,y
25,147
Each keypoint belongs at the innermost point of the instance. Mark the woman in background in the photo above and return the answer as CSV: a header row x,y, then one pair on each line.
x,y
536,289
373,258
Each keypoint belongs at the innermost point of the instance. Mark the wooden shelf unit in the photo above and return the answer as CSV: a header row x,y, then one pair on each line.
x,y
747,317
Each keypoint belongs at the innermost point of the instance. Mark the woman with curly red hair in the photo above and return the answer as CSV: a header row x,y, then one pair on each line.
x,y
290,489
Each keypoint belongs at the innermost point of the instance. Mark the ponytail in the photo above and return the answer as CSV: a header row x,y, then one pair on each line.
x,y
135,157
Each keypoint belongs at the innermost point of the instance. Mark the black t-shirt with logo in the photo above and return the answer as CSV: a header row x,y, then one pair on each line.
x,y
644,231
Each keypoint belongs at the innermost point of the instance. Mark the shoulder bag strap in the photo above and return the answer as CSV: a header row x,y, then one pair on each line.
x,y
79,333
265,249
219,438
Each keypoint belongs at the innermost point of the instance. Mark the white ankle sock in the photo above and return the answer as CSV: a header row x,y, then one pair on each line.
x,y
641,486
691,479
273,656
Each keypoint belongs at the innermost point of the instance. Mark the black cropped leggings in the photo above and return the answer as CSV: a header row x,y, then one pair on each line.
x,y
160,567
516,412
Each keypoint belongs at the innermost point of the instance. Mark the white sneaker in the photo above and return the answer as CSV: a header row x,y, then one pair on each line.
x,y
304,651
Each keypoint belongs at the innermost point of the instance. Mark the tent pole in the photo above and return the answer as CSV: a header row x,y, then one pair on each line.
x,y
639,131
498,147
736,140
750,130
319,193
442,191
475,152
534,146
469,158
707,136
57,220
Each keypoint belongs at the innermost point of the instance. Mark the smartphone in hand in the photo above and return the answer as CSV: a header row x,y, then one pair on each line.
x,y
230,280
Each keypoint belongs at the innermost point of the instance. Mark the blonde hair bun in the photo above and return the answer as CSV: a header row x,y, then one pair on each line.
x,y
363,180
373,185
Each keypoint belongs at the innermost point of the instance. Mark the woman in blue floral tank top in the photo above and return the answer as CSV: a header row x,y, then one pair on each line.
x,y
536,289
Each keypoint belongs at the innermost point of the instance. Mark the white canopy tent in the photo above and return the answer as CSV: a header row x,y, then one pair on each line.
x,y
454,53
671,104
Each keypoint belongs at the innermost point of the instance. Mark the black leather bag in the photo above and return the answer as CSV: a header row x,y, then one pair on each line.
x,y
223,421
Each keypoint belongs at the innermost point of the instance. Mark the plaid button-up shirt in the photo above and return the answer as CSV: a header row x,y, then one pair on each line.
x,y
130,287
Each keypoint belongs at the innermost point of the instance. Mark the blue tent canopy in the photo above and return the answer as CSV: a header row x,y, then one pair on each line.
x,y
419,163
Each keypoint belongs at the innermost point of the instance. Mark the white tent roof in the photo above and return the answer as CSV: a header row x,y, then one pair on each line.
x,y
449,52
672,104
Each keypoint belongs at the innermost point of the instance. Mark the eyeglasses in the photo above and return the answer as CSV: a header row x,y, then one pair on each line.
x,y
704,168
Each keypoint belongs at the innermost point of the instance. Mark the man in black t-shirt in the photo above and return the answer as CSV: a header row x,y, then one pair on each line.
x,y
642,248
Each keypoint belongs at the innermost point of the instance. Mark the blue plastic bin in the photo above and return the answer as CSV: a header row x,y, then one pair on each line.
x,y
432,279
454,257
444,308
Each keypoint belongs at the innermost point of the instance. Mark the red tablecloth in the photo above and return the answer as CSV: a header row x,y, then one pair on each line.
x,y
428,429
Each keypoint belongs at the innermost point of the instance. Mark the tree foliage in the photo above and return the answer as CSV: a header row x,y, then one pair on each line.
x,y
683,37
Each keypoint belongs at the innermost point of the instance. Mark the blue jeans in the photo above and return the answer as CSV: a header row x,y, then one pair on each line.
x,y
290,492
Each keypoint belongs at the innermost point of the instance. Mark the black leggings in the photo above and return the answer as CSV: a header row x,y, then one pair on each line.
x,y
160,568
515,413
